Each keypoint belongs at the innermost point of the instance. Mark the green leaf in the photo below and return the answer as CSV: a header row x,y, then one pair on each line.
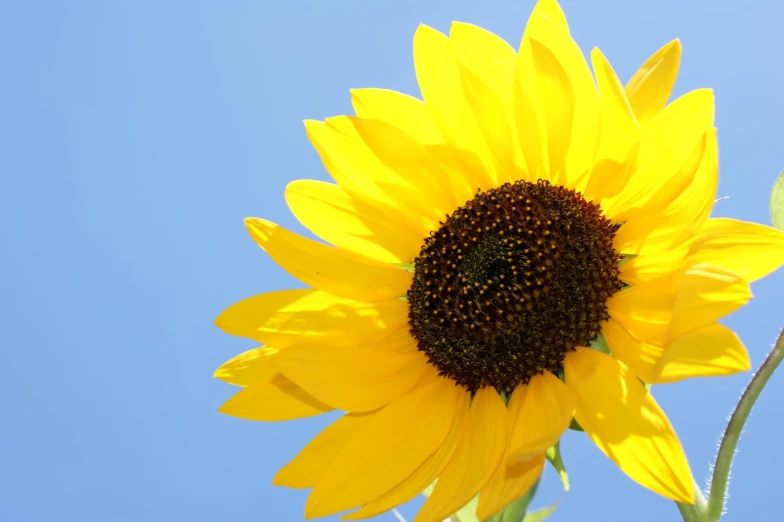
x,y
777,203
553,455
575,426
540,514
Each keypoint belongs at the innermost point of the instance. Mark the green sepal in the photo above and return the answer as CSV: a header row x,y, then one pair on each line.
x,y
553,455
777,203
540,514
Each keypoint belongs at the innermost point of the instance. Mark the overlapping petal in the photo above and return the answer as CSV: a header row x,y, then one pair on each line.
x,y
625,422
513,477
382,453
328,268
478,454
355,378
546,411
750,250
287,317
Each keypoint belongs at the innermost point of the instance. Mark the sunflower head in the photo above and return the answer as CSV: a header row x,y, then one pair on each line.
x,y
511,281
475,245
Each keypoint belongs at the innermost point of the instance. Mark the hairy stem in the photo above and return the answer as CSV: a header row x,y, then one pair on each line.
x,y
729,442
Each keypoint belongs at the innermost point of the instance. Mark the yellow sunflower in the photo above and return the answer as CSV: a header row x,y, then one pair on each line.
x,y
527,246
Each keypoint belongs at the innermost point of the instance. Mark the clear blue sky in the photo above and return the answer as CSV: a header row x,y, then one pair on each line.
x,y
134,138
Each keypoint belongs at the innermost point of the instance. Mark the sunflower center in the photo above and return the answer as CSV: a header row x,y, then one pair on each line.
x,y
510,282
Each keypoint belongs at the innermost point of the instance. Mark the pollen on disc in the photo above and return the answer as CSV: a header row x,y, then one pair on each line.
x,y
512,281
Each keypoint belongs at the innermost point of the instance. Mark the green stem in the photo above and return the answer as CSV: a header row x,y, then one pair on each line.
x,y
729,442
694,512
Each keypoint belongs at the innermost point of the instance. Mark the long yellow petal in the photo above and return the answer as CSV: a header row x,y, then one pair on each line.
x,y
478,455
749,249
670,152
686,215
248,367
569,99
670,216
547,410
642,357
425,474
405,112
354,378
328,268
413,163
274,399
462,170
330,213
650,87
359,169
645,267
624,421
383,453
439,80
510,481
487,65
286,317
710,351
528,109
307,468
619,134
679,302
706,293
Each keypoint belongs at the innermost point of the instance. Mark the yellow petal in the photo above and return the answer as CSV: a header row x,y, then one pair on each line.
x,y
478,455
749,249
625,423
651,85
486,64
305,470
248,367
527,107
687,213
429,195
328,268
569,99
670,217
380,187
287,317
424,475
619,134
710,351
439,80
510,481
669,155
399,110
547,410
706,293
645,267
642,357
383,453
679,302
330,213
274,399
354,378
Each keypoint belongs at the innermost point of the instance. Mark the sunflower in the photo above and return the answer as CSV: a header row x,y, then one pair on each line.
x,y
525,248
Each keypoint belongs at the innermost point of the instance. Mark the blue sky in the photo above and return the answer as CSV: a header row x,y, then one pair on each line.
x,y
134,138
